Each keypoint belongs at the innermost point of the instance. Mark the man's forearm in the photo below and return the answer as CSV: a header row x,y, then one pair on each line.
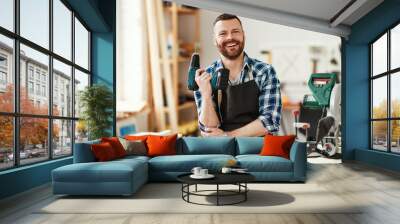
x,y
208,116
252,129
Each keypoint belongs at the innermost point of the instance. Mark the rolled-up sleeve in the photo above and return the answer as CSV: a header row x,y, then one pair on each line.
x,y
270,104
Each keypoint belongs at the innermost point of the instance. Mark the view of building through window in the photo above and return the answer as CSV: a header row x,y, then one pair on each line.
x,y
385,79
39,81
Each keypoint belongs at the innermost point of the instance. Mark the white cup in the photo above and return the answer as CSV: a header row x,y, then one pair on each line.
x,y
226,170
203,172
196,171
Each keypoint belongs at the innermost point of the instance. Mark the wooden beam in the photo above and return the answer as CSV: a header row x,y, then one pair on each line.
x,y
168,80
346,12
155,64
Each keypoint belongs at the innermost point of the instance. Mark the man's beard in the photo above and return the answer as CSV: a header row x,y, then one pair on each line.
x,y
231,55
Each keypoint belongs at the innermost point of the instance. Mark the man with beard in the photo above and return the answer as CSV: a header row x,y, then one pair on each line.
x,y
251,104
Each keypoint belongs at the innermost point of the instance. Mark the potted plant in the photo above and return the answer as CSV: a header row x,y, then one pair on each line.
x,y
96,103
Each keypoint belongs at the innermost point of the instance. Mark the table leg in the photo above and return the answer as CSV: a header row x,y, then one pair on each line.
x,y
217,194
245,193
182,188
188,190
196,188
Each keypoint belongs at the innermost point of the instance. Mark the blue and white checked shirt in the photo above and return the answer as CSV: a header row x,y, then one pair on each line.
x,y
270,104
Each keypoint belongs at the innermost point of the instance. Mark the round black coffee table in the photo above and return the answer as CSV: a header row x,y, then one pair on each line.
x,y
238,179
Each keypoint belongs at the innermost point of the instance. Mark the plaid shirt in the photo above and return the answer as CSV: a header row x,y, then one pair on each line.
x,y
270,104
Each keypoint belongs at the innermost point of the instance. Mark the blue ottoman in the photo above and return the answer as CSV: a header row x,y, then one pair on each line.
x,y
118,177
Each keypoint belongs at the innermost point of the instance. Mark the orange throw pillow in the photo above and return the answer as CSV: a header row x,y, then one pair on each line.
x,y
116,145
103,152
161,145
136,137
277,145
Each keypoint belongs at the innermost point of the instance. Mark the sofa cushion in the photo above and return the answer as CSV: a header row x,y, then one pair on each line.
x,y
133,158
257,163
116,145
208,145
185,163
103,152
277,145
161,145
83,152
112,171
249,145
134,147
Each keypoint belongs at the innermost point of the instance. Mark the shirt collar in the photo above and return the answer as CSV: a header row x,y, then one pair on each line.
x,y
246,64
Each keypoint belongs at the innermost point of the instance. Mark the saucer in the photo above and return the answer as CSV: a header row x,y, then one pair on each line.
x,y
208,176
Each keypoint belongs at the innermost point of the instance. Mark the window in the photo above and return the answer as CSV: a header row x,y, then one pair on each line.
x,y
81,45
3,61
6,142
3,78
62,74
3,73
45,131
30,72
35,21
385,95
81,81
44,91
37,89
33,148
6,73
7,14
37,75
30,87
62,31
62,137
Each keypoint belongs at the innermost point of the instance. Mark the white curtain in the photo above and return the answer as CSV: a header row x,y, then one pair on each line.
x,y
131,56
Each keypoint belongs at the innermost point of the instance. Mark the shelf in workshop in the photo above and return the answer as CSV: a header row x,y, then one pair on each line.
x,y
184,106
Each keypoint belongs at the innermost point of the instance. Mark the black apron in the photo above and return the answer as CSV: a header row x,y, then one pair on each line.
x,y
238,105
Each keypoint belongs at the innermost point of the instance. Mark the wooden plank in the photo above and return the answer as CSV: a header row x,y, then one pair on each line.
x,y
168,80
156,78
175,48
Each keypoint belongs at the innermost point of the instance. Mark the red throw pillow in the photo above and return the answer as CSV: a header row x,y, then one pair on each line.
x,y
103,152
161,145
116,145
277,145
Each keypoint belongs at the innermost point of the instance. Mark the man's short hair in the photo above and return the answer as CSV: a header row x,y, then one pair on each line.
x,y
226,16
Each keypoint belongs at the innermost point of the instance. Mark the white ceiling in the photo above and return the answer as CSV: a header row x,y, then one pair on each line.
x,y
320,9
315,15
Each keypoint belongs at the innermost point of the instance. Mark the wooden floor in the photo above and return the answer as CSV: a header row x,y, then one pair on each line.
x,y
378,189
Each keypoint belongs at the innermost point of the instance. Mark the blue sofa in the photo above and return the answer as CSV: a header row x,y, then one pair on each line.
x,y
125,176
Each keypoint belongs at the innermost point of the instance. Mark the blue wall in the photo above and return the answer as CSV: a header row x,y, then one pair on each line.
x,y
103,53
99,16
103,64
24,178
356,85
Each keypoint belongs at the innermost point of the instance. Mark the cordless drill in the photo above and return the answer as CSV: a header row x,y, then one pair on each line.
x,y
218,82
194,65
